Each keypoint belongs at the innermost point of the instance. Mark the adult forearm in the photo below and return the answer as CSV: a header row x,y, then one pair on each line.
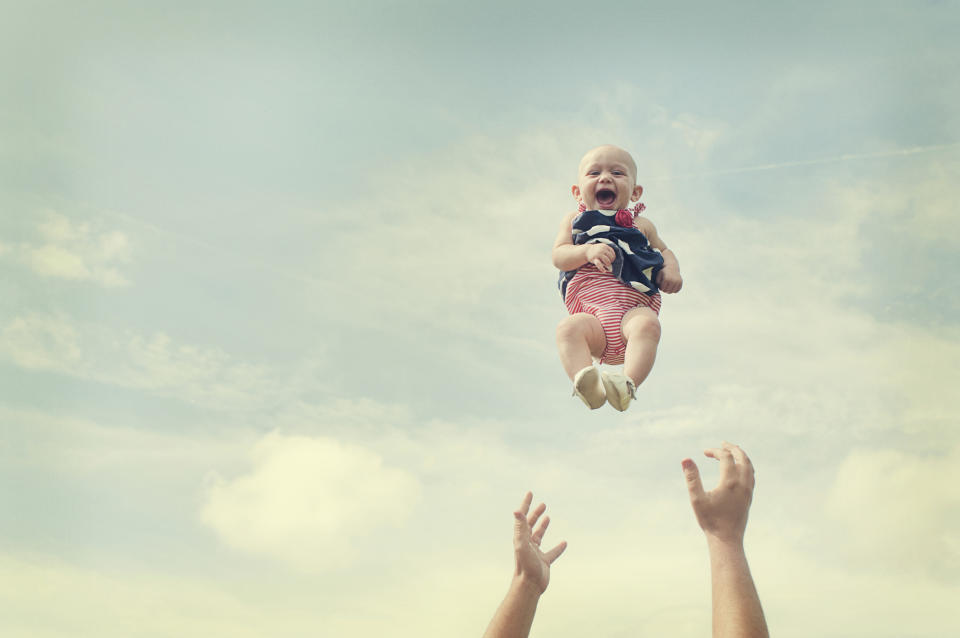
x,y
514,616
569,257
736,606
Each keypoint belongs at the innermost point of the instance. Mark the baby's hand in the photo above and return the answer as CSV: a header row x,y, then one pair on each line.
x,y
669,280
601,256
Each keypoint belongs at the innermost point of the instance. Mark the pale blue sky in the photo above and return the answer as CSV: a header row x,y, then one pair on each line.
x,y
277,313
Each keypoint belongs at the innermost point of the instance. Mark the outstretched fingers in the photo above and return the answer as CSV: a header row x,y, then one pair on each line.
x,y
725,457
525,521
738,454
538,533
743,461
525,503
536,514
521,529
554,553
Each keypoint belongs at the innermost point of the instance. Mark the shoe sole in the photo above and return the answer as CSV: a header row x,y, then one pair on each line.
x,y
619,393
589,386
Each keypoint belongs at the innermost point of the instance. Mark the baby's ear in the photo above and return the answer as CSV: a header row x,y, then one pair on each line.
x,y
637,192
576,191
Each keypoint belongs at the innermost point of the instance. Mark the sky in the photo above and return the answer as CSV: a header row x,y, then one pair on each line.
x,y
277,314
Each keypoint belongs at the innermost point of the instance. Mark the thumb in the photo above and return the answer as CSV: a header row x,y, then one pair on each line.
x,y
554,553
692,475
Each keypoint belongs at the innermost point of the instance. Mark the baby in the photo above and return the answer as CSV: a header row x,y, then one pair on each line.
x,y
614,265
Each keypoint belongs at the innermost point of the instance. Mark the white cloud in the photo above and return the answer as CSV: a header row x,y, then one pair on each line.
x,y
154,363
55,261
899,510
57,228
87,450
47,598
913,211
303,498
881,600
309,501
698,133
75,251
39,342
773,329
932,202
781,367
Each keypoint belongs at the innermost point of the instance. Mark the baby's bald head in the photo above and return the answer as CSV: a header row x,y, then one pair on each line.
x,y
611,153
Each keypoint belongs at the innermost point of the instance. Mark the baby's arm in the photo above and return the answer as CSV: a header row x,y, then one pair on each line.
x,y
668,279
568,256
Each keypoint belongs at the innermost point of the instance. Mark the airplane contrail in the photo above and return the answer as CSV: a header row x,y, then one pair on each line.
x,y
820,160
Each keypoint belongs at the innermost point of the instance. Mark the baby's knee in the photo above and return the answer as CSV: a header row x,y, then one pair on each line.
x,y
644,325
576,326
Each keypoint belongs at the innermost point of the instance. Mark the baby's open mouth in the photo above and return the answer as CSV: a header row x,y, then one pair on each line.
x,y
606,197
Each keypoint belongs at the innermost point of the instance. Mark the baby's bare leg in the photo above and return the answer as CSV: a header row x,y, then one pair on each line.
x,y
641,331
579,339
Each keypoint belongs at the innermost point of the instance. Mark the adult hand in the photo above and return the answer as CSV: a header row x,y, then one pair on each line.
x,y
601,255
669,279
722,512
532,563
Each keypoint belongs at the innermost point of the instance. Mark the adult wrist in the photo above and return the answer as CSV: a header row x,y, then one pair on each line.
x,y
727,541
526,586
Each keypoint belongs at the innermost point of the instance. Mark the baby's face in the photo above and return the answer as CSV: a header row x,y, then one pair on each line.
x,y
607,179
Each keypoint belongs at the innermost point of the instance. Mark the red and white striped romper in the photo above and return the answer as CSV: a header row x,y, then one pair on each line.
x,y
608,299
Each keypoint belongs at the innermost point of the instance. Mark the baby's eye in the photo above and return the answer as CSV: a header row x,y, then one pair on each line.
x,y
593,173
618,172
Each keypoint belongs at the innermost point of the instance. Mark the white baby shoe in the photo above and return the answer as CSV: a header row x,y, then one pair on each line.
x,y
619,389
588,385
